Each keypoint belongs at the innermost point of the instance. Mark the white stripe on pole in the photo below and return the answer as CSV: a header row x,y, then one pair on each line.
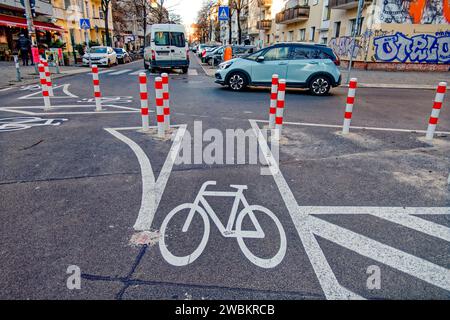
x,y
166,97
48,78
159,106
273,101
97,92
349,106
144,100
434,118
280,108
45,93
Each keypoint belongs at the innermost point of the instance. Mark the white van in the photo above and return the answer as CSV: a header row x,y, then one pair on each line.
x,y
166,47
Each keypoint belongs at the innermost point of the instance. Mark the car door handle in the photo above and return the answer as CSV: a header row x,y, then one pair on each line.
x,y
282,63
313,62
172,50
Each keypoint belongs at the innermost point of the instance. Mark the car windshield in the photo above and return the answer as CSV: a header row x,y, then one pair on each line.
x,y
255,55
98,50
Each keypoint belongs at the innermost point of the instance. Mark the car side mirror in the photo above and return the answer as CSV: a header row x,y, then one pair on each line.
x,y
260,59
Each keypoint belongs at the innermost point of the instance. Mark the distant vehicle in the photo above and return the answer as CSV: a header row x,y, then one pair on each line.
x,y
239,51
303,65
205,48
122,55
166,48
101,56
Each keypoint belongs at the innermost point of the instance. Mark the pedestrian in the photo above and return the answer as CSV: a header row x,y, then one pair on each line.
x,y
24,45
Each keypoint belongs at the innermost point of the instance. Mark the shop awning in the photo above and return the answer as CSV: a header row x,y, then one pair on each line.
x,y
19,22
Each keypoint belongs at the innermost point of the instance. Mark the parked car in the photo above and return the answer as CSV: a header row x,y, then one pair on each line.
x,y
101,56
166,47
239,51
122,55
205,47
303,65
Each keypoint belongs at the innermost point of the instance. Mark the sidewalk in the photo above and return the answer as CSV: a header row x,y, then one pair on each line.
x,y
382,79
8,74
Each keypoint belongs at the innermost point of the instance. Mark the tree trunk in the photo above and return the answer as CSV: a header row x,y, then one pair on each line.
x,y
238,16
108,38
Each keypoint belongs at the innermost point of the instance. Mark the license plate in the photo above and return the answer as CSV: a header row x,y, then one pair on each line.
x,y
163,53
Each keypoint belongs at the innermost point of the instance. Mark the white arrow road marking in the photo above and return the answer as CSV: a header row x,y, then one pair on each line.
x,y
330,285
152,190
405,262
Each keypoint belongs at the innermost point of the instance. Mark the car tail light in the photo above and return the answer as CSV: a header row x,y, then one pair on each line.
x,y
153,55
187,54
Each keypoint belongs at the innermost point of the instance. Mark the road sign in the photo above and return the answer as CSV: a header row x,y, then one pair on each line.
x,y
85,24
224,13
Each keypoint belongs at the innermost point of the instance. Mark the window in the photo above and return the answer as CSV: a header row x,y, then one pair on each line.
x,y
312,35
100,13
290,36
177,39
300,53
302,35
162,38
353,26
279,53
337,29
324,40
326,13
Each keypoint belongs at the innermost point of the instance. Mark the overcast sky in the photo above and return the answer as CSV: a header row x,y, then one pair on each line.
x,y
187,9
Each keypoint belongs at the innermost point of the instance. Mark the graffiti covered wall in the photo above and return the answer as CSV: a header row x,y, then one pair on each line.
x,y
415,11
423,48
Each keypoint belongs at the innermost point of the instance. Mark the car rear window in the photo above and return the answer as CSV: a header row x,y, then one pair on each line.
x,y
177,39
162,38
165,38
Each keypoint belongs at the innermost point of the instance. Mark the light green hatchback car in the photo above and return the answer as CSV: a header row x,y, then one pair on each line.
x,y
303,65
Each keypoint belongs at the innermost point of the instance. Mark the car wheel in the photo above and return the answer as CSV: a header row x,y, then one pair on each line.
x,y
146,67
320,85
237,81
109,63
184,70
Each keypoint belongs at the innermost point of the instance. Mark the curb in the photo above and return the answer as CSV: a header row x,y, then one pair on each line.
x,y
393,86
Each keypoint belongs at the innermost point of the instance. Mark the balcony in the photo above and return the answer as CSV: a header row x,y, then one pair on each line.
x,y
343,4
264,25
292,15
265,3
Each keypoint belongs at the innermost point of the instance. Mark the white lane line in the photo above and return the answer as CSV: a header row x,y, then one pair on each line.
x,y
135,73
330,286
31,95
192,72
405,262
321,125
376,210
119,72
5,89
21,110
152,190
104,71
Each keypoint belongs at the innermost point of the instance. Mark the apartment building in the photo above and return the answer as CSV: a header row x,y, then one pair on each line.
x,y
13,23
68,14
392,34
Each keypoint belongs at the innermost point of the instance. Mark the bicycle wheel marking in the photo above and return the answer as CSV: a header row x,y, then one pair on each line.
x,y
201,206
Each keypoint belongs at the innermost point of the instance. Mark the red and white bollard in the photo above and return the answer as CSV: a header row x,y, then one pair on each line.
x,y
166,97
144,101
48,78
97,92
273,101
159,106
280,108
349,107
434,118
45,93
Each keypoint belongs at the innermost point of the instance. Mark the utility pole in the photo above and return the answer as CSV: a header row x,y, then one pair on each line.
x,y
357,22
31,30
86,32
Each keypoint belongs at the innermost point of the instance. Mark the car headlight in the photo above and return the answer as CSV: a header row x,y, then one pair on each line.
x,y
225,65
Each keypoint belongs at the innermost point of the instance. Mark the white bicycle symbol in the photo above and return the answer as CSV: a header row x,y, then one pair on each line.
x,y
23,123
227,231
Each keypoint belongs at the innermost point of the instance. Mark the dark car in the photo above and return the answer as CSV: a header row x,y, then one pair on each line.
x,y
122,55
215,57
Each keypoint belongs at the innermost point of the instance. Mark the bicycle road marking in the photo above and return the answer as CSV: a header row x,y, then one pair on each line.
x,y
65,89
306,223
152,189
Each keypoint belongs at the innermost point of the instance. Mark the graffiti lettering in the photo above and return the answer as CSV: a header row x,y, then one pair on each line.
x,y
419,48
418,11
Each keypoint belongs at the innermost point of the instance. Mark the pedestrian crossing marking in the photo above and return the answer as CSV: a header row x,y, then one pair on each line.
x,y
120,72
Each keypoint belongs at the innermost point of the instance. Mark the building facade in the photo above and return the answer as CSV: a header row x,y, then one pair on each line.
x,y
392,34
68,13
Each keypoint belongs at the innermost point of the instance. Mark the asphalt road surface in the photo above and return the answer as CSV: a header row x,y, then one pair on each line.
x,y
361,216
